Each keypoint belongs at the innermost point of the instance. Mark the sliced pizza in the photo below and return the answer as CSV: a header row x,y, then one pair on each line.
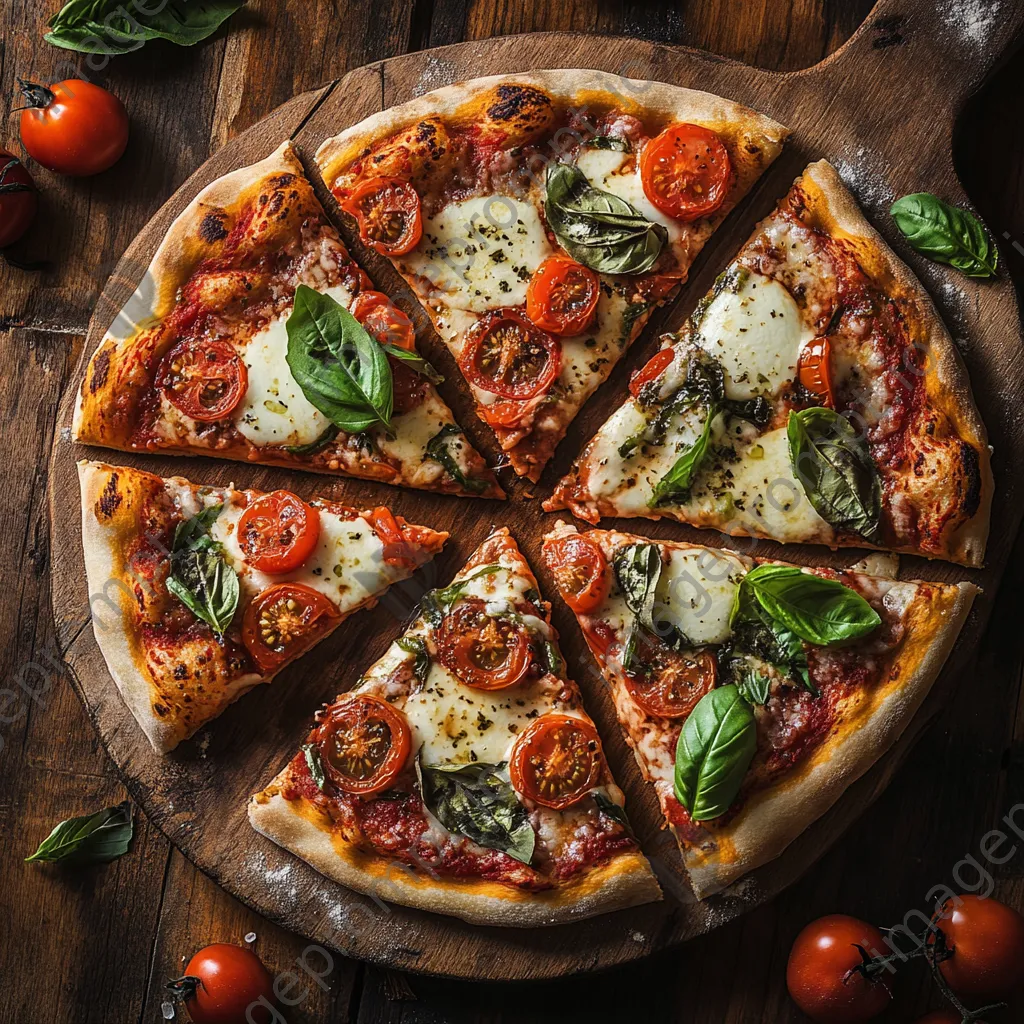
x,y
753,693
814,396
200,593
540,218
461,774
255,336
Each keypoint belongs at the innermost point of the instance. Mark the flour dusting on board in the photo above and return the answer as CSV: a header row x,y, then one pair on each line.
x,y
436,74
972,19
865,178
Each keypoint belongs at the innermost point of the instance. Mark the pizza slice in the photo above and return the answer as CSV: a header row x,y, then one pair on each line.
x,y
200,593
540,218
461,774
255,336
814,396
753,693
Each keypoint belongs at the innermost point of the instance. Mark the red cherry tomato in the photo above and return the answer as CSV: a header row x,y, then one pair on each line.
x,y
384,320
651,370
284,622
815,370
204,379
686,171
987,939
505,354
222,982
73,127
562,296
397,536
18,200
487,652
389,215
278,532
580,569
675,683
822,977
557,761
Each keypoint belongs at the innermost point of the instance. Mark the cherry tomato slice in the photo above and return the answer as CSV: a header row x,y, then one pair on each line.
x,y
278,532
651,370
364,743
506,355
562,296
485,652
675,684
204,379
557,761
284,622
389,214
384,320
580,570
393,534
686,171
815,370
18,200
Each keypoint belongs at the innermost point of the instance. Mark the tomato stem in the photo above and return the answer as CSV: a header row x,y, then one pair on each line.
x,y
185,988
37,96
935,953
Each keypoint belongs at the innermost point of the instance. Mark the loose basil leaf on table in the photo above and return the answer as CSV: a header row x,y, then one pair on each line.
x,y
108,27
946,234
90,838
434,604
439,448
200,577
715,748
477,800
315,764
838,474
417,647
341,370
599,229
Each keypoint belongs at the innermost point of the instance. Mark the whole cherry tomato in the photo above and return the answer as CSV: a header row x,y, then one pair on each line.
x,y
73,127
18,200
822,974
221,983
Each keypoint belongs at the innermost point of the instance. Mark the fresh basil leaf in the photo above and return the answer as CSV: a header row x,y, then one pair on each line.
x,y
715,748
315,446
609,142
549,656
820,611
439,449
108,27
756,632
193,534
676,483
199,577
417,646
477,800
612,810
435,604
946,234
833,463
598,229
415,362
630,315
754,686
89,839
315,764
340,369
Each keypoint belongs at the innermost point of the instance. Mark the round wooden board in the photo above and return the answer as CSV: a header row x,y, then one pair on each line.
x,y
882,109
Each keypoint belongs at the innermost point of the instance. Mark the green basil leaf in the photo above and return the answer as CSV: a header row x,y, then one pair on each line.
x,y
755,632
89,839
415,362
193,534
315,446
109,27
439,448
598,229
477,800
340,369
837,471
946,234
200,578
609,142
820,611
612,810
637,570
417,646
754,686
715,748
676,483
549,656
435,604
315,764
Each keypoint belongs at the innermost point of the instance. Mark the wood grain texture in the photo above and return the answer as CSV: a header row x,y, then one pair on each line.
x,y
972,756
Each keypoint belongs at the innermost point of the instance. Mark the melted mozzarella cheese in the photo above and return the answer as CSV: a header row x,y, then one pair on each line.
x,y
479,254
413,430
756,332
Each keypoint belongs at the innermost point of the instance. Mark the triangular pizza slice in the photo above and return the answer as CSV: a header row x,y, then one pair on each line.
x,y
814,396
540,218
199,593
753,693
255,336
461,774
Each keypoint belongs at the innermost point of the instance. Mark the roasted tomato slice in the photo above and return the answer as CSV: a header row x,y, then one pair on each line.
x,y
686,171
278,532
562,296
364,743
485,651
394,534
204,379
815,370
384,320
284,622
557,761
506,355
581,571
651,370
389,215
675,683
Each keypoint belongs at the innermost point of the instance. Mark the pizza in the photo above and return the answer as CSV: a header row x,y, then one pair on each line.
x,y
813,396
753,693
540,218
255,336
461,774
200,593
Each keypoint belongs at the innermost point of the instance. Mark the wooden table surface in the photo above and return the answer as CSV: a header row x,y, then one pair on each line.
x,y
97,944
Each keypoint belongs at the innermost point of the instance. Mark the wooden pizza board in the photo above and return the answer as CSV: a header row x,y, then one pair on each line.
x,y
882,109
